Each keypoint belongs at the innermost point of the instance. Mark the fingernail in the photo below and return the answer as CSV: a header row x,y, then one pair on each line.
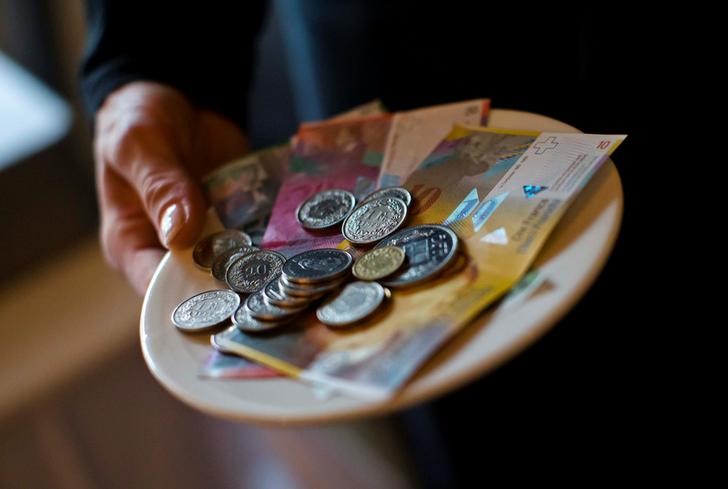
x,y
172,222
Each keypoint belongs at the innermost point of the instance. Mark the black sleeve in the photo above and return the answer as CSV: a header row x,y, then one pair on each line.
x,y
205,49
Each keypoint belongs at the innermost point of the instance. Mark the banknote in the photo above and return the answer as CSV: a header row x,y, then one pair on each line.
x,y
415,133
343,154
515,187
243,191
223,366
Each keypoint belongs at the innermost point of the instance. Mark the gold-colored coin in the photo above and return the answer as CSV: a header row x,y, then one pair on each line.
x,y
379,263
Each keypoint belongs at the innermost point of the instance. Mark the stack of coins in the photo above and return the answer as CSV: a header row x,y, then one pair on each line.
x,y
271,290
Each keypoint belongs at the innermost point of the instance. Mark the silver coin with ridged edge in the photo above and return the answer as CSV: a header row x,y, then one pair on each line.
x,y
353,303
430,249
398,192
374,220
247,323
209,247
311,291
315,266
259,308
250,273
205,310
224,259
325,209
277,296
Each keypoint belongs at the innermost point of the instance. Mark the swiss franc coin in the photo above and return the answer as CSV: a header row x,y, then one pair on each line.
x,y
397,192
250,273
277,296
206,310
209,247
325,209
315,266
379,263
224,259
353,303
430,248
311,291
247,323
374,220
228,334
259,308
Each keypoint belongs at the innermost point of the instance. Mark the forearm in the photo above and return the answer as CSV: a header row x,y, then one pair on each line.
x,y
204,51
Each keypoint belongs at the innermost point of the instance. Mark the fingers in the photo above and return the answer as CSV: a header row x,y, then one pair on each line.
x,y
172,200
128,239
141,133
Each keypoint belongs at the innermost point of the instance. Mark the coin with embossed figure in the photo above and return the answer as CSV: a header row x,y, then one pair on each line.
x,y
353,303
209,247
430,248
315,266
374,220
325,209
397,192
259,308
277,296
205,310
247,323
250,273
378,263
224,259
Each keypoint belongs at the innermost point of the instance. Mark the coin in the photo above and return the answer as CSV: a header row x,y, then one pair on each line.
x,y
311,291
226,333
250,273
205,310
259,308
212,245
245,322
374,220
353,303
275,295
315,266
430,248
325,209
397,192
379,263
224,259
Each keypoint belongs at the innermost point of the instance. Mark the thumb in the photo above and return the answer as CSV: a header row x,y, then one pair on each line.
x,y
172,200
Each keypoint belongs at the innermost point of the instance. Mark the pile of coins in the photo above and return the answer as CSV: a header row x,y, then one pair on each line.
x,y
266,290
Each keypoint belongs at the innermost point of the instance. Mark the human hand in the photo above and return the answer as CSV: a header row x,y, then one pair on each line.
x,y
151,147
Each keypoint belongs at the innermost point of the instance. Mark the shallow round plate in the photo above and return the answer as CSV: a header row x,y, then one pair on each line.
x,y
570,261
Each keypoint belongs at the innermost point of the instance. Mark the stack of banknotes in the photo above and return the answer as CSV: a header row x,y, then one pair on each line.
x,y
497,192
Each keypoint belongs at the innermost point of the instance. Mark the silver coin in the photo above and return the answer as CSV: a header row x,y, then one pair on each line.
x,y
247,323
259,308
311,291
398,192
430,248
227,334
315,266
325,209
209,247
224,259
250,273
276,296
206,310
374,220
353,303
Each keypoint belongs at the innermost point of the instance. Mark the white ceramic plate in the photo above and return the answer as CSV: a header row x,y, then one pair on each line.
x,y
570,261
